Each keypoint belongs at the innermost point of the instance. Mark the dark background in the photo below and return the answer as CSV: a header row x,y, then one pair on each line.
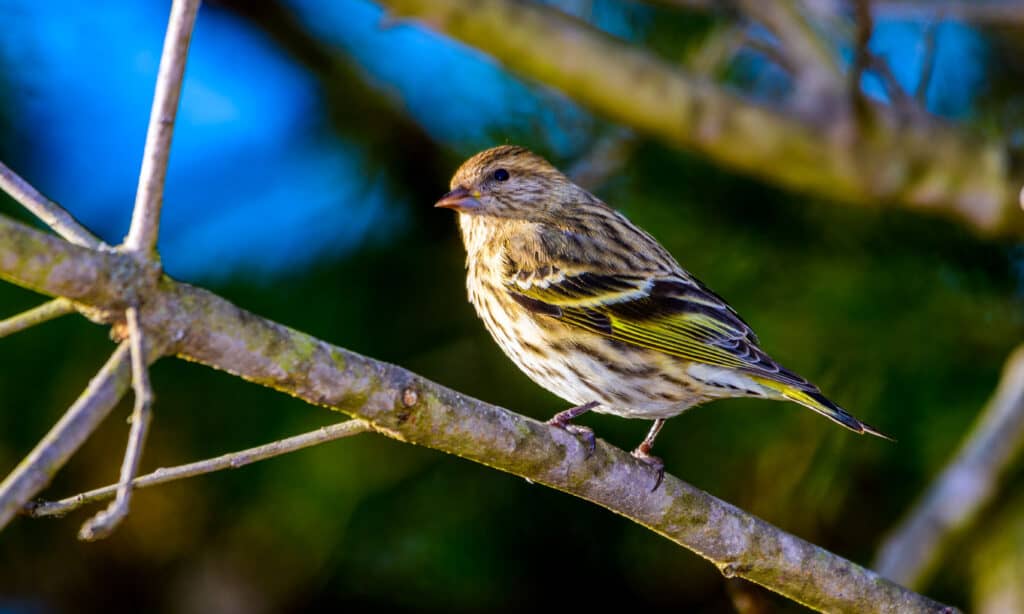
x,y
312,140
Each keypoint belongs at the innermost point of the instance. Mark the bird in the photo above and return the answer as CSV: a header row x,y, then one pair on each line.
x,y
593,309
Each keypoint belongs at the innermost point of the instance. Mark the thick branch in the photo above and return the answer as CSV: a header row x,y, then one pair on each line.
x,y
207,329
149,198
970,480
921,165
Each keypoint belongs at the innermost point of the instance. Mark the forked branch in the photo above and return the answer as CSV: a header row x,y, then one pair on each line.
x,y
83,417
141,242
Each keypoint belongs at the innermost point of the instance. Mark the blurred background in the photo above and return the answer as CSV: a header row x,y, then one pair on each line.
x,y
313,138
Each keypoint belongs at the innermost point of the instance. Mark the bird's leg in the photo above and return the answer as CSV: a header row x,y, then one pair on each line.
x,y
643,452
562,420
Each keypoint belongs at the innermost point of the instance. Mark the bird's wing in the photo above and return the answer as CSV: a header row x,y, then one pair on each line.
x,y
671,313
656,305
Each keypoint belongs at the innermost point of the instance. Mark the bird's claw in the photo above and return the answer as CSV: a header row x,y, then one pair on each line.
x,y
653,462
584,433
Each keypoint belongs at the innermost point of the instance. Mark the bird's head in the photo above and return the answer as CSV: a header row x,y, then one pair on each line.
x,y
509,182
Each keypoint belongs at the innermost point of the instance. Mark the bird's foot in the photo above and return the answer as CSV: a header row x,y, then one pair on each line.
x,y
584,433
643,454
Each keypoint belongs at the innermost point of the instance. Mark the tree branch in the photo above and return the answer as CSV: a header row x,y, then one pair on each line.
x,y
991,12
816,70
37,469
51,214
928,54
967,483
925,165
865,26
37,315
148,200
234,460
103,524
988,13
205,328
897,95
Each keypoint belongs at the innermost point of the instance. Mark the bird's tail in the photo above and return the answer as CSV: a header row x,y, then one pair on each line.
x,y
813,399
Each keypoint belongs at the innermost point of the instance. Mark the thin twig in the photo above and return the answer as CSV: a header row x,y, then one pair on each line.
x,y
51,214
770,51
815,67
233,460
37,469
719,47
862,55
1001,13
898,97
148,199
605,158
927,63
963,488
995,13
103,523
37,315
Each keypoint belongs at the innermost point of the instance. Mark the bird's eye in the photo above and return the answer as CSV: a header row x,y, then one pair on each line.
x,y
501,175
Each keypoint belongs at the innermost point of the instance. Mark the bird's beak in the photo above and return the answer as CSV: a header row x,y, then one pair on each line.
x,y
460,199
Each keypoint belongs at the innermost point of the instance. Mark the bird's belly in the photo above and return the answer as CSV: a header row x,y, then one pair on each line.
x,y
582,367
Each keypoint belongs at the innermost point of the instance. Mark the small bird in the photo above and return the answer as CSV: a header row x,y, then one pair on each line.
x,y
593,309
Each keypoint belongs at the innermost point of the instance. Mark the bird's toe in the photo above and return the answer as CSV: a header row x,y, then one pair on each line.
x,y
586,435
653,462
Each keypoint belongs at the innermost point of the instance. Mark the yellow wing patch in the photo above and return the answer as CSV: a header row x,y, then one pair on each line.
x,y
670,316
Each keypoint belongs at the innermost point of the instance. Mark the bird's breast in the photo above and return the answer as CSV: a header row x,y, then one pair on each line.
x,y
577,365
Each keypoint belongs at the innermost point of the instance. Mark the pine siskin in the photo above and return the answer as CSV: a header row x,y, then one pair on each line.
x,y
593,309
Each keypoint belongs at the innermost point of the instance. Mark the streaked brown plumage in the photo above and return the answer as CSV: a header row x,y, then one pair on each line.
x,y
592,308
